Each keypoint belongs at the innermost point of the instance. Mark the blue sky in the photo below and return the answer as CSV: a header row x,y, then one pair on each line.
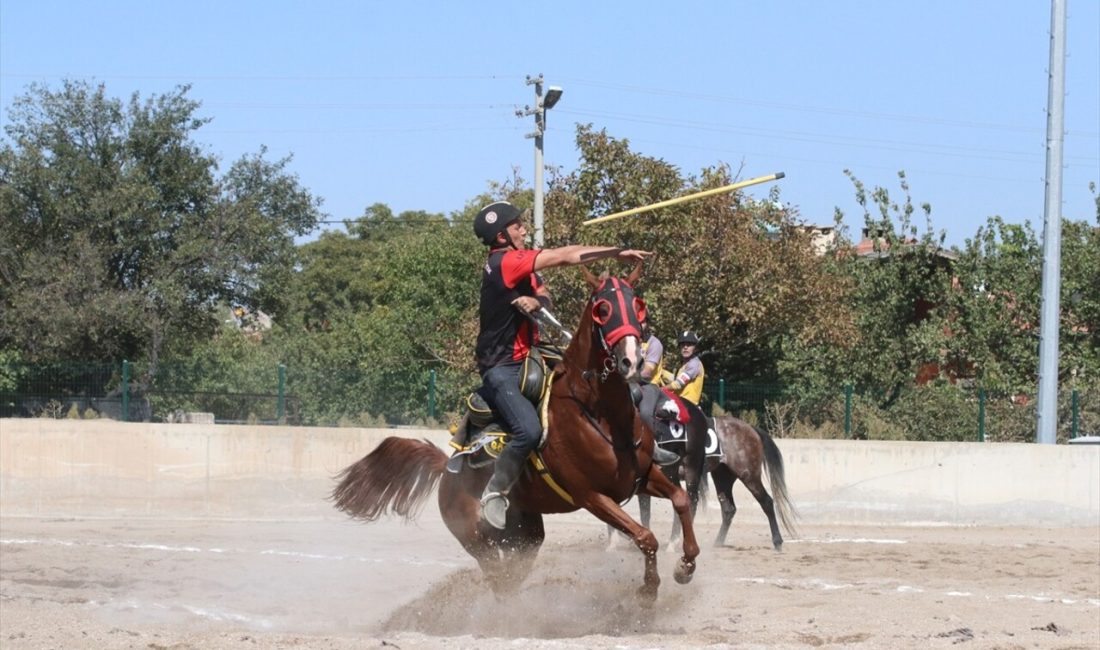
x,y
412,103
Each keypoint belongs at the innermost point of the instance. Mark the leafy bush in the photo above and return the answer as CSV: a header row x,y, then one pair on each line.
x,y
937,412
871,422
233,376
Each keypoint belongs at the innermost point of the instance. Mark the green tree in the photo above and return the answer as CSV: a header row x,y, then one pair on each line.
x,y
901,285
117,237
741,273
382,307
233,374
1080,299
380,224
899,279
995,308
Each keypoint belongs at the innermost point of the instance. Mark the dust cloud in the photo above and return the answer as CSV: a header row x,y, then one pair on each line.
x,y
332,583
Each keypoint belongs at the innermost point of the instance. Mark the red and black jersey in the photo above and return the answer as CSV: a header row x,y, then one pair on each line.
x,y
506,333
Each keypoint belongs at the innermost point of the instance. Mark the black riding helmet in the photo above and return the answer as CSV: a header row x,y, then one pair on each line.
x,y
687,337
493,219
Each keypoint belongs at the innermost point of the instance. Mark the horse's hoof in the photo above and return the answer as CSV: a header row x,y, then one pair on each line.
x,y
684,572
647,596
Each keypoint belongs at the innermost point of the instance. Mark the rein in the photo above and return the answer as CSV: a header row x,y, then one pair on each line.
x,y
588,374
588,415
608,360
608,310
640,479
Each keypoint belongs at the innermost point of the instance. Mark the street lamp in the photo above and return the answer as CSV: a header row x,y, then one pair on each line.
x,y
542,104
553,94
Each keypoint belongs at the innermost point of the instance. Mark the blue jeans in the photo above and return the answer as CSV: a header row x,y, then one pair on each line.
x,y
500,387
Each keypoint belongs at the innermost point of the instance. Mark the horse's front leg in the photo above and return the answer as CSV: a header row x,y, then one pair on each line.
x,y
659,486
644,510
609,512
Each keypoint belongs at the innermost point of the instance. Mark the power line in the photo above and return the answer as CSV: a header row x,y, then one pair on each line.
x,y
363,106
196,77
805,107
666,92
833,163
359,222
366,129
800,136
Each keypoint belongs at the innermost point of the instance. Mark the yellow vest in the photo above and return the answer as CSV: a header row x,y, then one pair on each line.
x,y
693,391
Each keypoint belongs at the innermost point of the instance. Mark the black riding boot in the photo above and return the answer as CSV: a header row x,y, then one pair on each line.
x,y
494,501
662,456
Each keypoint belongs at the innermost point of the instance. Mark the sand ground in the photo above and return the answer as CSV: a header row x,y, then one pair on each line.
x,y
331,583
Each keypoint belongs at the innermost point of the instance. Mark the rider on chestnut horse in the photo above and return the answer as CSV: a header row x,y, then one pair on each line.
x,y
511,291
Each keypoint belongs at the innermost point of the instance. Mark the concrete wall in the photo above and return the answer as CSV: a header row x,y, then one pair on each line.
x,y
845,481
108,468
61,468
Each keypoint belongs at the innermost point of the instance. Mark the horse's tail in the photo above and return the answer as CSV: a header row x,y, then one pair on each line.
x,y
396,477
773,462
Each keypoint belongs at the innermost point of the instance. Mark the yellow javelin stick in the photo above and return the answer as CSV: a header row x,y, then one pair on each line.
x,y
689,197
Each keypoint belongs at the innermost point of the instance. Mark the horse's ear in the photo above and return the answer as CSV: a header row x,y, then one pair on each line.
x,y
636,274
592,280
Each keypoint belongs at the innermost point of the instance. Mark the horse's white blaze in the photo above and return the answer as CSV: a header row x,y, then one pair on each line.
x,y
629,349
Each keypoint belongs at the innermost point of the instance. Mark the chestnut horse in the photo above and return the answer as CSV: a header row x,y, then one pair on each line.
x,y
597,455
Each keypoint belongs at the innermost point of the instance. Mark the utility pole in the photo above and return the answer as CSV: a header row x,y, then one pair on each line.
x,y
1046,421
542,104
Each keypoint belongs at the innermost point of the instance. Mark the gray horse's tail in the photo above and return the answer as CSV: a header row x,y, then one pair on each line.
x,y
773,462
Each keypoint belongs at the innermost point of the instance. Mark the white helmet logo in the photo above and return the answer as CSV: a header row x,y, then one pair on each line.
x,y
491,217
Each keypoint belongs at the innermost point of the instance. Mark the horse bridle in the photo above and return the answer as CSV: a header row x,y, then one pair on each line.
x,y
622,321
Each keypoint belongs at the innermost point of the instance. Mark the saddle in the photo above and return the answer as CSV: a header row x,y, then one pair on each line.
x,y
481,435
668,417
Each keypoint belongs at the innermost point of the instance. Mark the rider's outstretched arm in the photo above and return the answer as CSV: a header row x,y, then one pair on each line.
x,y
580,254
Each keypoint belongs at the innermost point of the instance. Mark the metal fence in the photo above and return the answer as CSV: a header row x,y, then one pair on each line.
x,y
94,390
331,396
932,412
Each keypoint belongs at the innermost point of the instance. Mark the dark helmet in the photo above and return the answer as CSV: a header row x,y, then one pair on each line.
x,y
493,219
687,337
